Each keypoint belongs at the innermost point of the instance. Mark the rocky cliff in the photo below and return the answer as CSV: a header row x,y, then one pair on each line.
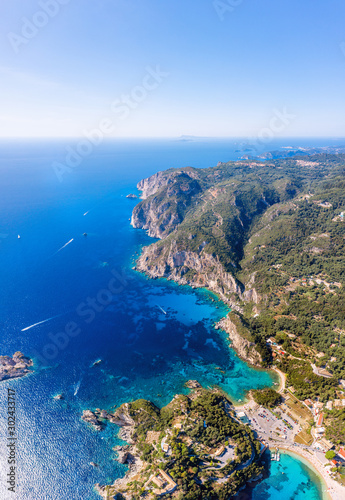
x,y
166,199
189,268
243,347
203,218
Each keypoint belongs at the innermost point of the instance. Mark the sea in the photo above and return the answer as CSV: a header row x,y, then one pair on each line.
x,y
99,332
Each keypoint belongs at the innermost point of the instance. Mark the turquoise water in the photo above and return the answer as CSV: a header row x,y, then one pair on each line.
x,y
289,479
145,353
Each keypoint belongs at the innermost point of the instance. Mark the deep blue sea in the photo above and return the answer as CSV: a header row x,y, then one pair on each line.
x,y
151,335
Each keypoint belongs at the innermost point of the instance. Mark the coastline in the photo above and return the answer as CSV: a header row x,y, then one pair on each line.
x,y
331,490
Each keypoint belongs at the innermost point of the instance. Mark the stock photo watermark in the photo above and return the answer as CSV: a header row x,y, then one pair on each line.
x,y
39,20
122,107
86,311
280,120
224,7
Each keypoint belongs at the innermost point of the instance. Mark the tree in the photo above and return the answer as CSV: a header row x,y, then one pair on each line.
x,y
330,455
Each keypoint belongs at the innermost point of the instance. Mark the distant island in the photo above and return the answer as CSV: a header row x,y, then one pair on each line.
x,y
17,366
131,195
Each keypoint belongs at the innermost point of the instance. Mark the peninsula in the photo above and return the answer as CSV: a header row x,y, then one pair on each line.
x,y
17,366
195,445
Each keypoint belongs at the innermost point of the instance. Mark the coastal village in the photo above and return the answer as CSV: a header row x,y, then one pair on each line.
x,y
292,426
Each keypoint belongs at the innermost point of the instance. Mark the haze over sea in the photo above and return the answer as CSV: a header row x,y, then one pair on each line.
x,y
152,337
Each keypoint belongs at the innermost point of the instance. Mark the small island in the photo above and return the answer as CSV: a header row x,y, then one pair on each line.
x,y
17,366
132,196
194,446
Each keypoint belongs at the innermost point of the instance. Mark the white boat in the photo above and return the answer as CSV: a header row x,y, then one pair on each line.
x,y
18,236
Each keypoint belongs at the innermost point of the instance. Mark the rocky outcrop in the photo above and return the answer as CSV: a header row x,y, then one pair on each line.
x,y
98,418
244,348
193,384
167,196
152,184
17,366
156,218
124,455
125,421
117,489
91,418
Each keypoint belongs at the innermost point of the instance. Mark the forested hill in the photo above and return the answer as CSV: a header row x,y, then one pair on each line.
x,y
268,236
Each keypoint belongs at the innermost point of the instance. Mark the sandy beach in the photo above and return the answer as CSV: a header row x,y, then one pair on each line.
x,y
334,491
282,380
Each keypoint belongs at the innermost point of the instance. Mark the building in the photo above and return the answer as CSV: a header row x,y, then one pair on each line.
x,y
220,451
243,417
319,420
325,445
165,484
320,430
341,453
308,402
329,405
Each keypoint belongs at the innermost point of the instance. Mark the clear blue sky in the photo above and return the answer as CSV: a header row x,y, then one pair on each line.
x,y
228,73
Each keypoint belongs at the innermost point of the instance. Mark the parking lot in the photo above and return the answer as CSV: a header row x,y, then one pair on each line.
x,y
269,426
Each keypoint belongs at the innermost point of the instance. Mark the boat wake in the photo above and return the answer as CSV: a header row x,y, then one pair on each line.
x,y
65,245
164,312
40,323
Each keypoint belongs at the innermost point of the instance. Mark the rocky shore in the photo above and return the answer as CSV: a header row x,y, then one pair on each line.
x,y
243,347
126,454
98,418
173,260
17,366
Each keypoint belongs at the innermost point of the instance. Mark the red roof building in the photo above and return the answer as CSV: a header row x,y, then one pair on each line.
x,y
320,420
341,453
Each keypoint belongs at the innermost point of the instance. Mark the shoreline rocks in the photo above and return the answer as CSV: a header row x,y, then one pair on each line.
x,y
243,347
91,418
15,367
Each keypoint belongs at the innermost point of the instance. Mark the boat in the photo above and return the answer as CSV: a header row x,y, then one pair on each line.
x,y
84,234
18,236
97,362
76,388
93,464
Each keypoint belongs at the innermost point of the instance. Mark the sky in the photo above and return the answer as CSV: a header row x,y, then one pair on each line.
x,y
153,68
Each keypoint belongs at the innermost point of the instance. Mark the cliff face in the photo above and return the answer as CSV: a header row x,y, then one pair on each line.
x,y
156,218
151,185
244,348
203,218
166,198
189,268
